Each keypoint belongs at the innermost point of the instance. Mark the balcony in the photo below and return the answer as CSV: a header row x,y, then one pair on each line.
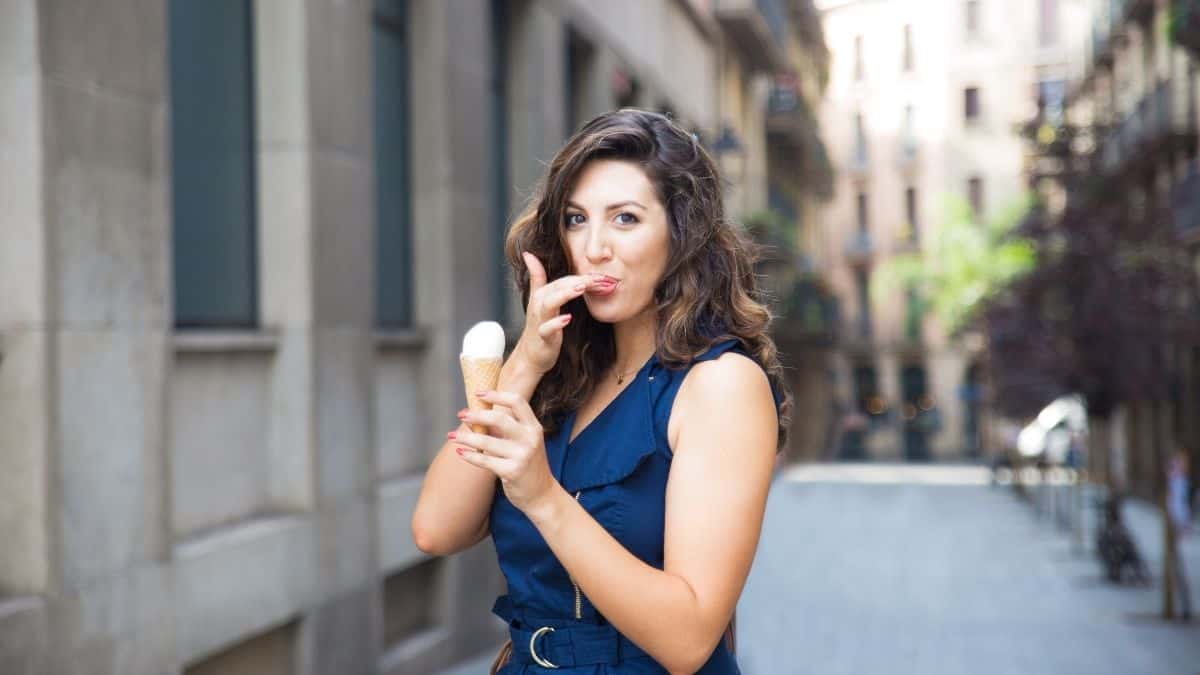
x,y
1185,203
793,129
758,28
1185,24
858,162
808,314
907,240
1107,31
1154,126
859,248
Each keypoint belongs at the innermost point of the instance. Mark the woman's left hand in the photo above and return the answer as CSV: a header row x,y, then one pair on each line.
x,y
516,453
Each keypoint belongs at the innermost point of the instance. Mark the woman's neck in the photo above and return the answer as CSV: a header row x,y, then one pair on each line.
x,y
634,340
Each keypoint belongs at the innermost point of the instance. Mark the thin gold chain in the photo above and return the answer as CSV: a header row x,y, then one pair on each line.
x,y
621,376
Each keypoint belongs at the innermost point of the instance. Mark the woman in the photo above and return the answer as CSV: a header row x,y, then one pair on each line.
x,y
636,423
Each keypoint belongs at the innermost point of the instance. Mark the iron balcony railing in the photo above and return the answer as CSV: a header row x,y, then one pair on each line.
x,y
775,14
1185,202
859,247
1155,118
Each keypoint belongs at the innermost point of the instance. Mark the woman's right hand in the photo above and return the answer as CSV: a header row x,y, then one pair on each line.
x,y
541,341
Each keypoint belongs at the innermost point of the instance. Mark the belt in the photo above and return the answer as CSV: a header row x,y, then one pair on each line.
x,y
565,644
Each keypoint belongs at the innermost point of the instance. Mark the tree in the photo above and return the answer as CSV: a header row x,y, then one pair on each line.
x,y
964,265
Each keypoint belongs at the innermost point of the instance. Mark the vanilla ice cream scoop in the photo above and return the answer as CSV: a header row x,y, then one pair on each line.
x,y
485,340
481,359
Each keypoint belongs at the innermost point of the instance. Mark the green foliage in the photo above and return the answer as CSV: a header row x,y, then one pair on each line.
x,y
771,229
962,263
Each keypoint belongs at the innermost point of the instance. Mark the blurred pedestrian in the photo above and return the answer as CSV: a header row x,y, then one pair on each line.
x,y
1180,514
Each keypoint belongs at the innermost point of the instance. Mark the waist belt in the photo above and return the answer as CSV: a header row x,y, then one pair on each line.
x,y
563,643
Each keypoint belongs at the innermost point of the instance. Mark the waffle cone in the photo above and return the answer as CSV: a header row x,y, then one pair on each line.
x,y
479,374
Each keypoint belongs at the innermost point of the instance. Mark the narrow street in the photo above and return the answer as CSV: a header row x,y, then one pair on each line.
x,y
894,569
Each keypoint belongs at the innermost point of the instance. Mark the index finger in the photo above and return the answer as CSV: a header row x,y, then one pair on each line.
x,y
565,288
537,273
514,402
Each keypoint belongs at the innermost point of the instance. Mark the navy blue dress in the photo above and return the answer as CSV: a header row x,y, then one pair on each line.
x,y
617,469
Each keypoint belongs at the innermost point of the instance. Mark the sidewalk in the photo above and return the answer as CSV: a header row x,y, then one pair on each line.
x,y
1144,522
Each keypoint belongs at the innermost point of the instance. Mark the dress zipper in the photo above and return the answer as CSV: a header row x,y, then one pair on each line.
x,y
578,595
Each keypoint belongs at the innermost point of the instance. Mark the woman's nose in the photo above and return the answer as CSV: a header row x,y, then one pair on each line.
x,y
596,247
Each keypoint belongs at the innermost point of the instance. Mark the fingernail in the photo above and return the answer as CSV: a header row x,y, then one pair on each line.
x,y
581,287
461,414
452,435
566,319
459,451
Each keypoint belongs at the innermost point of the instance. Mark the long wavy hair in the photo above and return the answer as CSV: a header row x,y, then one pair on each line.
x,y
708,292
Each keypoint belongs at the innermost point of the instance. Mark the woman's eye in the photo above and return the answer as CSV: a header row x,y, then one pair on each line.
x,y
631,219
571,219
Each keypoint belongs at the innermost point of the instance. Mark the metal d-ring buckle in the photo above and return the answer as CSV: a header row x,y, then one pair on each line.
x,y
533,652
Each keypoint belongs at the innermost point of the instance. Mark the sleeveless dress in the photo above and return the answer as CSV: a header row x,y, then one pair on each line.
x,y
617,470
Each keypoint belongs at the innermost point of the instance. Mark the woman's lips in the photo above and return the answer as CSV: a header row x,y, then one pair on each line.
x,y
603,287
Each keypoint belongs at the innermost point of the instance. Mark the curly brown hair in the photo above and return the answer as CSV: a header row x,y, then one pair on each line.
x,y
709,291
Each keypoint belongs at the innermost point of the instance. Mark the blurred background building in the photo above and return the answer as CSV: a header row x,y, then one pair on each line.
x,y
241,241
922,106
1132,111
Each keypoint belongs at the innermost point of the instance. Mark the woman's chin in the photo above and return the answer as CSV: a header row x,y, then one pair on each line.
x,y
604,314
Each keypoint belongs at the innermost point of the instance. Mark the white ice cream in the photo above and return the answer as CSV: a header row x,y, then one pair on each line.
x,y
485,340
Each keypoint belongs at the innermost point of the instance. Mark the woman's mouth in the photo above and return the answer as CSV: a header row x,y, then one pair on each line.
x,y
603,287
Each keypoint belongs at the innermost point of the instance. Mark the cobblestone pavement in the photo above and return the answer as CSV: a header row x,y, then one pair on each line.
x,y
931,570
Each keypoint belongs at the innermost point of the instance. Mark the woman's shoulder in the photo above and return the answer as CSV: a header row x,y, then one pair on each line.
x,y
725,386
724,369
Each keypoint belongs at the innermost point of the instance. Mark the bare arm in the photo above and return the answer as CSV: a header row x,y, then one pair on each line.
x,y
456,497
452,511
716,498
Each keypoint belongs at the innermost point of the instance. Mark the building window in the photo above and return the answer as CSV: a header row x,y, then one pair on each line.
x,y
975,197
860,139
393,221
910,215
499,99
973,18
1047,22
971,104
214,227
580,58
1050,96
858,58
862,282
863,218
910,130
907,57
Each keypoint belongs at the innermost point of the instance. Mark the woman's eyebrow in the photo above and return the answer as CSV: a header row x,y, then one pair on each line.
x,y
611,207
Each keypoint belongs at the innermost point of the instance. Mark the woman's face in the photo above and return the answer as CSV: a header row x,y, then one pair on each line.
x,y
616,226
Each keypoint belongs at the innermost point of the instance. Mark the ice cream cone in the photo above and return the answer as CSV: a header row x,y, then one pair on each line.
x,y
479,373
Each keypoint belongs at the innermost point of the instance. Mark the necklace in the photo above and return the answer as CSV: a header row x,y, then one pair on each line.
x,y
621,376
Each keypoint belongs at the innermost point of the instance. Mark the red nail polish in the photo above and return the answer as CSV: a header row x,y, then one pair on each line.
x,y
460,451
452,435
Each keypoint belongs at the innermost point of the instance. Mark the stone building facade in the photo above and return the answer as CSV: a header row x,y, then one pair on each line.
x,y
239,244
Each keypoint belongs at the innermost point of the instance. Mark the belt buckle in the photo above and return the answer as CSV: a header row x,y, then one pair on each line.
x,y
533,651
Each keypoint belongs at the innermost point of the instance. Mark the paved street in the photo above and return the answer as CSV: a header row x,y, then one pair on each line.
x,y
876,569
892,569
